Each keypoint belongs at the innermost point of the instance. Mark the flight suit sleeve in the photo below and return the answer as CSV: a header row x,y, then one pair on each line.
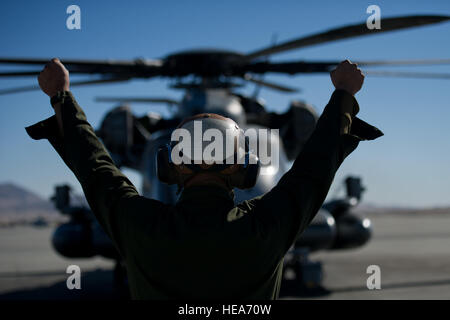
x,y
108,192
286,210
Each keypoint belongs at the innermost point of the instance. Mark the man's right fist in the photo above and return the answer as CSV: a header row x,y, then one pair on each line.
x,y
347,76
54,77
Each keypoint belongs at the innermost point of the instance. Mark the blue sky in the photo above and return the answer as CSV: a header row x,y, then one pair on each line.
x,y
409,166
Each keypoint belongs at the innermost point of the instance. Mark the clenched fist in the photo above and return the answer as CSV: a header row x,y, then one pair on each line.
x,y
53,78
347,76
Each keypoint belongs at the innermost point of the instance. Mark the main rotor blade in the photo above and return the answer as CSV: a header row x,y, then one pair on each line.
x,y
138,68
400,74
270,85
19,73
80,62
137,99
286,67
72,84
25,73
403,62
294,67
351,31
291,67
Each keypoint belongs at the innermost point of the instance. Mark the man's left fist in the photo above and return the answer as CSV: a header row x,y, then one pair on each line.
x,y
53,78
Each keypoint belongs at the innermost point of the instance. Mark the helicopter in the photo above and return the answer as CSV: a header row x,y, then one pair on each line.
x,y
210,79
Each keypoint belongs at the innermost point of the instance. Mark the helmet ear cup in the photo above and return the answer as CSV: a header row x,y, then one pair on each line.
x,y
164,167
251,172
246,176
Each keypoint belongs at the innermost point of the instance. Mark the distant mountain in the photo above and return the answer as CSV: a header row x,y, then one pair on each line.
x,y
18,203
18,200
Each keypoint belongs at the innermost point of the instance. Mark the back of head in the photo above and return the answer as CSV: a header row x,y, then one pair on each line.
x,y
208,145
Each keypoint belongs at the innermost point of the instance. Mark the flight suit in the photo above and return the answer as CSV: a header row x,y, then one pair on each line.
x,y
205,246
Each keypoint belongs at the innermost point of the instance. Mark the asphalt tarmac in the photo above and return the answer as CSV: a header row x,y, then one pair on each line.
x,y
411,250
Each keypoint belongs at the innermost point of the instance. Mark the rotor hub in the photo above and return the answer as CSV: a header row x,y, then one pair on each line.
x,y
205,63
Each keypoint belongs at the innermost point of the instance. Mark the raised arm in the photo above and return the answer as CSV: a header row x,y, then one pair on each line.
x,y
291,205
111,196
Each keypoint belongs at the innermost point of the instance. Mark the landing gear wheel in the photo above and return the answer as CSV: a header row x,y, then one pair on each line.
x,y
301,276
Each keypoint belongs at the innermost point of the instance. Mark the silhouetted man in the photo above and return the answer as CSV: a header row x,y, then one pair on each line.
x,y
204,246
